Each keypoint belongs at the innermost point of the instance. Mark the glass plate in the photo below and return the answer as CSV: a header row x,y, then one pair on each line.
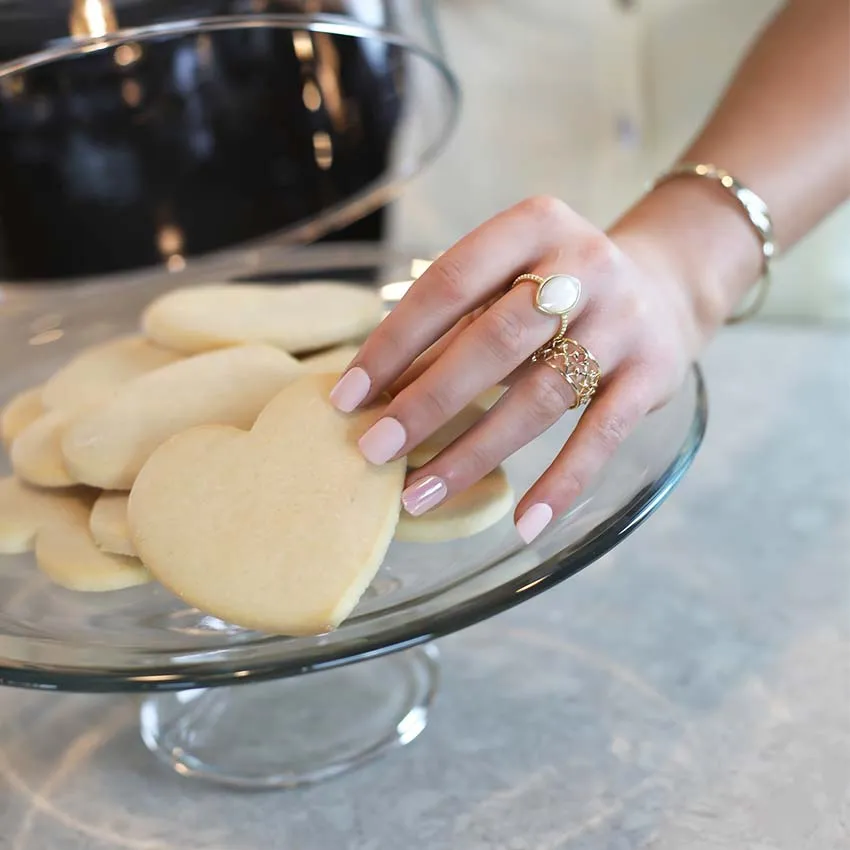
x,y
146,639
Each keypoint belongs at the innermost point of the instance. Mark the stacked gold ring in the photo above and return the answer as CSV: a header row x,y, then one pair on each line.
x,y
558,295
574,363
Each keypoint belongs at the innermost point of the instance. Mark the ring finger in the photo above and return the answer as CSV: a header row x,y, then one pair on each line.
x,y
492,347
538,397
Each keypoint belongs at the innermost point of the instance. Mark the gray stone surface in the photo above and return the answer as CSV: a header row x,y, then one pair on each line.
x,y
691,691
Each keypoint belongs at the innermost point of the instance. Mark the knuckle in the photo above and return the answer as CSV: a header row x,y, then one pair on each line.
x,y
611,430
432,404
633,307
551,396
569,484
422,407
475,461
546,210
448,276
388,339
505,335
596,252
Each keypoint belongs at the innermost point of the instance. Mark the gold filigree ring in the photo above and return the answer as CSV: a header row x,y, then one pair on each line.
x,y
557,295
575,364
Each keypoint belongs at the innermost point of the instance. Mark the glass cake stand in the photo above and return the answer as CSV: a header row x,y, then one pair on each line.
x,y
237,707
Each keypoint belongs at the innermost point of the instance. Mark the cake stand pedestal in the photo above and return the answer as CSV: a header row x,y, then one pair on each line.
x,y
295,731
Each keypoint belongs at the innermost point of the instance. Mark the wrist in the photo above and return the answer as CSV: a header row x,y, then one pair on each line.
x,y
693,236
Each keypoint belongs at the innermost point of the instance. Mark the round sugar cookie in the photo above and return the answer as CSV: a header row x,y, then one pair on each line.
x,y
107,445
476,509
22,410
108,524
279,529
36,453
297,317
96,371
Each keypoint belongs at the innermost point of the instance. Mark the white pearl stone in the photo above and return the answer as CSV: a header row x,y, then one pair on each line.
x,y
559,294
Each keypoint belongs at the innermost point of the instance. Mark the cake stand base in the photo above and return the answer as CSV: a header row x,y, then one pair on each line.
x,y
296,731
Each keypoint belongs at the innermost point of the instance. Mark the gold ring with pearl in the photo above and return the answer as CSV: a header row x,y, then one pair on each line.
x,y
557,295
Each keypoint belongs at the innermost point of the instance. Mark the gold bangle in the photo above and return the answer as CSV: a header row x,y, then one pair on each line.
x,y
757,213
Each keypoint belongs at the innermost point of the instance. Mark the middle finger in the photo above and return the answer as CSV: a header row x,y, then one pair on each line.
x,y
492,347
457,282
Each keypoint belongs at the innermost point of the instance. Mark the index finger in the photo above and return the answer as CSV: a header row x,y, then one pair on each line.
x,y
465,277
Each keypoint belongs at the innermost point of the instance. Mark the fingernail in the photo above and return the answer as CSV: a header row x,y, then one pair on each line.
x,y
424,495
383,440
350,389
533,521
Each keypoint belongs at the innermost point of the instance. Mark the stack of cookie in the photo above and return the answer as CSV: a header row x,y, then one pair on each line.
x,y
204,453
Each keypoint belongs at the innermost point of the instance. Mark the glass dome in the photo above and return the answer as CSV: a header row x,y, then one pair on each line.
x,y
198,127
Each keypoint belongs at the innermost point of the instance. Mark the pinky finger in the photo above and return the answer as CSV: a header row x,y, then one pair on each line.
x,y
611,417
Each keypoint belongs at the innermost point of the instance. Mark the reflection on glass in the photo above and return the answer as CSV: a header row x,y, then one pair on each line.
x,y
11,86
311,96
131,92
128,54
232,129
92,18
419,267
170,240
213,129
328,75
392,293
302,43
323,148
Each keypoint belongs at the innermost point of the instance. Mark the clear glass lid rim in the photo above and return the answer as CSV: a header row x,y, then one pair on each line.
x,y
331,24
231,259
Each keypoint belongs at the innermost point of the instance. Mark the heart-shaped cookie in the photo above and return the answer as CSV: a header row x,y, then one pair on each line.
x,y
108,524
56,525
19,413
279,529
107,445
296,317
36,452
96,371
34,423
25,510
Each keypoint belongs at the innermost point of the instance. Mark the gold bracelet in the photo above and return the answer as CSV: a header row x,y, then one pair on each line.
x,y
757,213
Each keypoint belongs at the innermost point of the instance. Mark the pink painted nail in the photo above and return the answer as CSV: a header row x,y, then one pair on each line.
x,y
424,495
383,440
350,389
533,521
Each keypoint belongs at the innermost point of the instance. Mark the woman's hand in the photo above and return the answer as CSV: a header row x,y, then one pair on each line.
x,y
653,289
461,329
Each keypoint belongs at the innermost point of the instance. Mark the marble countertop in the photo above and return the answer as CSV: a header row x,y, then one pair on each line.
x,y
690,691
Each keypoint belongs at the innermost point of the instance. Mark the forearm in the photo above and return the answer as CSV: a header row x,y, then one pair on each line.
x,y
782,128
